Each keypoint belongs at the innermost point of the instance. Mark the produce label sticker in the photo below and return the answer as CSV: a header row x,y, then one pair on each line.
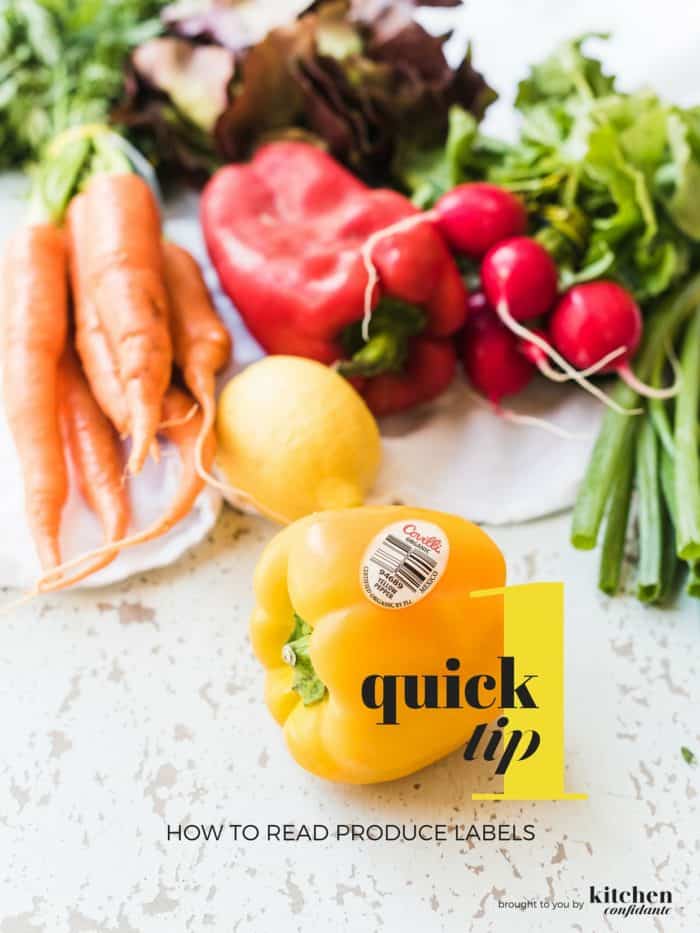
x,y
403,563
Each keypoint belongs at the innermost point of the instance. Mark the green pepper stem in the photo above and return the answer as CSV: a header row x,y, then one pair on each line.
x,y
296,653
382,352
394,322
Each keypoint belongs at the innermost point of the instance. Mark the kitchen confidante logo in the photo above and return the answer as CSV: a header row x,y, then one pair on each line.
x,y
527,745
631,902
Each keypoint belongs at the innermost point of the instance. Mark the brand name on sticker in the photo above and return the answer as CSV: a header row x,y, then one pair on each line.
x,y
432,542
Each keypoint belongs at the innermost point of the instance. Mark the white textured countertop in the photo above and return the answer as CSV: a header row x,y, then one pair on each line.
x,y
140,705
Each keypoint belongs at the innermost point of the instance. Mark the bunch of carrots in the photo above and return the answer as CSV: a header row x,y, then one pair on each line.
x,y
97,310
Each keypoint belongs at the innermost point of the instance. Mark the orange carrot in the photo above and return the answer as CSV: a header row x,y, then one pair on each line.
x,y
124,271
99,363
201,343
97,458
34,326
201,347
184,430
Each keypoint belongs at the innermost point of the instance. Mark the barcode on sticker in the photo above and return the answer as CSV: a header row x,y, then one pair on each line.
x,y
404,561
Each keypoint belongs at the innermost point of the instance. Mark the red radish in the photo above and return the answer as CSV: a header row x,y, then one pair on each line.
x,y
520,275
596,320
496,367
476,302
472,218
492,360
475,216
519,279
593,319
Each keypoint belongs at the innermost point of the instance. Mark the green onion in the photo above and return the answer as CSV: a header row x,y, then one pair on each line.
x,y
613,437
651,524
668,485
616,526
693,586
686,441
658,410
670,562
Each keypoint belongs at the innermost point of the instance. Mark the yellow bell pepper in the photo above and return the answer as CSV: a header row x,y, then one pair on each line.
x,y
320,629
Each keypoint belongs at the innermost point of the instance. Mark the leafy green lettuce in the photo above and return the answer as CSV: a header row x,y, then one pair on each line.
x,y
362,78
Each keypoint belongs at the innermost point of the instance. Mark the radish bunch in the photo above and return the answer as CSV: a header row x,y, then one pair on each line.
x,y
594,327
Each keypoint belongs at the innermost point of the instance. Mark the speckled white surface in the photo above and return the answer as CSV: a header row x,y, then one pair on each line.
x,y
140,705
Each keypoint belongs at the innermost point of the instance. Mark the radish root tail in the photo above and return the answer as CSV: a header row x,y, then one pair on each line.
x,y
529,421
646,391
554,375
517,328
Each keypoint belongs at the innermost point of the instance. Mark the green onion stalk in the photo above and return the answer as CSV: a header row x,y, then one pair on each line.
x,y
653,460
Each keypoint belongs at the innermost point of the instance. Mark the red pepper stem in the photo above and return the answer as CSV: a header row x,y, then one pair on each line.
x,y
401,226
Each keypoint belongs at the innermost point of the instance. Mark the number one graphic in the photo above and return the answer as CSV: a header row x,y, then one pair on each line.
x,y
533,633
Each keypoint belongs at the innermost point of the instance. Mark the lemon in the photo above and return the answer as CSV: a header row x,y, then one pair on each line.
x,y
296,438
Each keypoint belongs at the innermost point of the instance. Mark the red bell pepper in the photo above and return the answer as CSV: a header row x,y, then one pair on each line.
x,y
285,233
